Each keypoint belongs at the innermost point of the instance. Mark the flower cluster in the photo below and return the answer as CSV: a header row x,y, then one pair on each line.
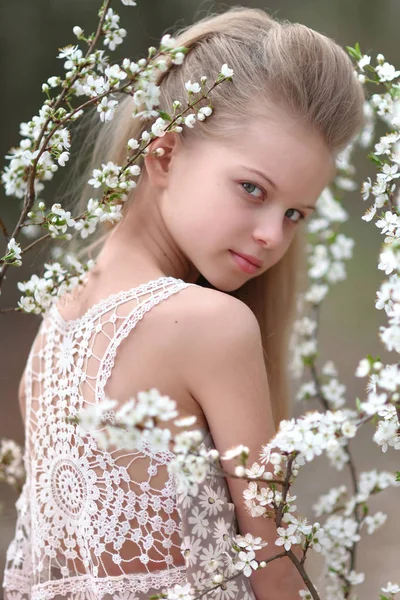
x,y
12,469
58,279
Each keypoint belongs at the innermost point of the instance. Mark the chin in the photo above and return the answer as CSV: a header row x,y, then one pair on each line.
x,y
226,287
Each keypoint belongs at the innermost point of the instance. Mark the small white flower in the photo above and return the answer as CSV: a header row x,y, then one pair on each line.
x,y
178,58
14,247
190,121
158,128
364,61
115,73
391,588
236,451
146,136
179,592
226,71
193,88
63,158
107,108
374,521
363,368
366,189
286,537
349,430
247,563
369,214
386,72
168,41
67,51
133,144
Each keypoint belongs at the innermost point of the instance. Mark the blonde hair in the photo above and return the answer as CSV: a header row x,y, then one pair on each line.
x,y
275,64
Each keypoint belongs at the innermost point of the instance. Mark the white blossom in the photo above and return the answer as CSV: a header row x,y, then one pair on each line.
x,y
286,537
190,120
107,109
386,72
246,562
193,88
226,71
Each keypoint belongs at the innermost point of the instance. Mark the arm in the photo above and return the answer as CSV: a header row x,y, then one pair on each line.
x,y
226,374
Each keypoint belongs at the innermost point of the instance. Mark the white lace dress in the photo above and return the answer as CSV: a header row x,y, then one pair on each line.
x,y
95,524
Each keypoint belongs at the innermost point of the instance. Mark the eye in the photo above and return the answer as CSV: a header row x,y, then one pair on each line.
x,y
251,187
294,215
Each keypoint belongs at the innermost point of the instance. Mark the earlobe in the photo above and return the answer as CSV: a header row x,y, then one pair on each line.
x,y
158,167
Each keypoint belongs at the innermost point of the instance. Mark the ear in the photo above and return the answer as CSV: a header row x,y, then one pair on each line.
x,y
158,167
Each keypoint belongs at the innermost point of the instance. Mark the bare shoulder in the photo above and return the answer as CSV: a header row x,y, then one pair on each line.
x,y
213,316
221,352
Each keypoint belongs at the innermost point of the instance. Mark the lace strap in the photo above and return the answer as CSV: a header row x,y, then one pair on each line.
x,y
110,302
130,321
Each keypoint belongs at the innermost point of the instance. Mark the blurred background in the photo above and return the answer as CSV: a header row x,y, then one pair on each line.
x,y
30,34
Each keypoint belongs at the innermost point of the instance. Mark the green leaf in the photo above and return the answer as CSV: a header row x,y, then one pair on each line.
x,y
398,476
354,52
164,115
375,159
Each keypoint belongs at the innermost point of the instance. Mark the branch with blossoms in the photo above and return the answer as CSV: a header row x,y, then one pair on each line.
x,y
47,143
46,146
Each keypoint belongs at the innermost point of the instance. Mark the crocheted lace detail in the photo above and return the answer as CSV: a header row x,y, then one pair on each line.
x,y
142,583
89,520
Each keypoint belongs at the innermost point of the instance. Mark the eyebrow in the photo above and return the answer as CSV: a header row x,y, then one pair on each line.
x,y
272,183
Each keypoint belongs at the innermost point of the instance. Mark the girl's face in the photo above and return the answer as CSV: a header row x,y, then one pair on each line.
x,y
246,194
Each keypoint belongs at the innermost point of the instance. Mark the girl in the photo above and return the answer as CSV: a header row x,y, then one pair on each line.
x,y
214,226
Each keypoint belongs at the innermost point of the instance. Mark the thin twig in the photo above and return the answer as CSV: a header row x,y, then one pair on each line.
x,y
300,567
11,309
44,237
4,230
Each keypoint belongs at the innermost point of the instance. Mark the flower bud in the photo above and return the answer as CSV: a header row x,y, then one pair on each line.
x,y
41,205
53,81
77,31
133,144
178,58
240,471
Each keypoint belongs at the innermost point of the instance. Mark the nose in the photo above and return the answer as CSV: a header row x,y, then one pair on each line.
x,y
270,231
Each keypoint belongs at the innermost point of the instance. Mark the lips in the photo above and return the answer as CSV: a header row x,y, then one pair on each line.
x,y
251,259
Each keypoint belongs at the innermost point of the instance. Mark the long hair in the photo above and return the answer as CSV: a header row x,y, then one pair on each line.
x,y
277,65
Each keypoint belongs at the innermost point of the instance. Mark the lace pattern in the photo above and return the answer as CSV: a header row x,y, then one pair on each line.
x,y
95,524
